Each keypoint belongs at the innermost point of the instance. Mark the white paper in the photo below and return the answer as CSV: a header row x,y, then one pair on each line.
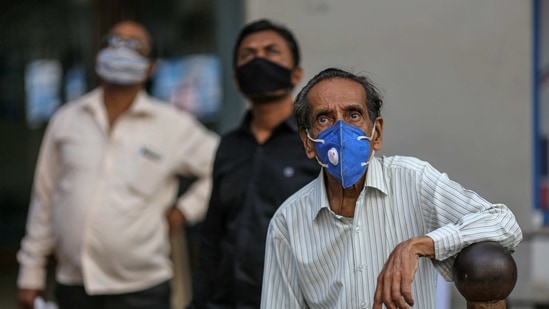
x,y
40,303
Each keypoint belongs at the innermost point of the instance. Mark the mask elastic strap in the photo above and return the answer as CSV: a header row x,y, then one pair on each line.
x,y
319,162
368,162
370,139
316,141
366,137
312,139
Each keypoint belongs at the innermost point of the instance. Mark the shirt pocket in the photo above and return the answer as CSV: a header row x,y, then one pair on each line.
x,y
149,172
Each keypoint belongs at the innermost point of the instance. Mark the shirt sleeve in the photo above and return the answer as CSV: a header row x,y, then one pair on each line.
x,y
280,277
197,156
38,242
457,217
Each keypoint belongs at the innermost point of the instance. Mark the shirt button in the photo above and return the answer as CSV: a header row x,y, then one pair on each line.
x,y
363,305
288,171
360,268
357,229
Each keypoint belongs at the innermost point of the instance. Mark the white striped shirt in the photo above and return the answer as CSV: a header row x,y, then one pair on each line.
x,y
317,259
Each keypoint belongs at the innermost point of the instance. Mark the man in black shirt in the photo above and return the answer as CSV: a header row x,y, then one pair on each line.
x,y
257,166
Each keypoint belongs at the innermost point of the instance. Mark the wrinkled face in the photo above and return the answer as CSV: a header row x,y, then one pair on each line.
x,y
339,99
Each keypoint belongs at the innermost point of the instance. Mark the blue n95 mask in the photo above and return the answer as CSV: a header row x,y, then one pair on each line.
x,y
344,151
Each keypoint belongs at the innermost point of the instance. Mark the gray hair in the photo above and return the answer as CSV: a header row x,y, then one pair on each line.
x,y
374,100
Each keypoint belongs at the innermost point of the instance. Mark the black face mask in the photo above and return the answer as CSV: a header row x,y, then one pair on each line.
x,y
261,75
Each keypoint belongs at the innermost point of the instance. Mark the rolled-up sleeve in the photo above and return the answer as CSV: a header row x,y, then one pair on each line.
x,y
196,160
457,217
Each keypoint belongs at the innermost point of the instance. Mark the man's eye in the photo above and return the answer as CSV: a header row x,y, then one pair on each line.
x,y
356,116
322,119
273,52
245,55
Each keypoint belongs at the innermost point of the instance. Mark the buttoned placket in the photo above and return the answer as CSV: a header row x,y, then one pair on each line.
x,y
358,238
105,168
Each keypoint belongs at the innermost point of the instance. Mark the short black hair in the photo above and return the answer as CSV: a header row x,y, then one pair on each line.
x,y
264,25
374,100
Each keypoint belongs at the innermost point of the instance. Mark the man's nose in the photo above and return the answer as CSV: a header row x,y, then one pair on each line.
x,y
261,54
339,116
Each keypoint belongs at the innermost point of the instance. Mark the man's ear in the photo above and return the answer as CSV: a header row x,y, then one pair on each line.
x,y
235,83
151,70
377,141
297,75
308,145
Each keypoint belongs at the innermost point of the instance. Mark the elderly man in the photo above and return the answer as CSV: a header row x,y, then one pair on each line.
x,y
369,231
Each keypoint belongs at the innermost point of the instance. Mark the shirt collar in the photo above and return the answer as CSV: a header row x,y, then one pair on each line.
x,y
246,121
140,106
374,179
374,176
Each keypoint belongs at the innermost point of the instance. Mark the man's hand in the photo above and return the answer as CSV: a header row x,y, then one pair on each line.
x,y
394,283
176,219
26,297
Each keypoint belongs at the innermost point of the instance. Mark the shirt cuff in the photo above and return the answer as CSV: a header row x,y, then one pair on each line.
x,y
193,208
31,278
447,241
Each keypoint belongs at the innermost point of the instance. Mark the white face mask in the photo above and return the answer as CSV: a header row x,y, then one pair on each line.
x,y
121,66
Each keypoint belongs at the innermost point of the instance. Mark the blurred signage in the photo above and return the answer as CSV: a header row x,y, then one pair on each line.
x,y
42,88
191,83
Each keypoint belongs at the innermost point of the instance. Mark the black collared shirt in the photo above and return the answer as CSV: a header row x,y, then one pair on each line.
x,y
250,182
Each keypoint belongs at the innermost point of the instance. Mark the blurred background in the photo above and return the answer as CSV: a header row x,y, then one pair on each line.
x,y
466,86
